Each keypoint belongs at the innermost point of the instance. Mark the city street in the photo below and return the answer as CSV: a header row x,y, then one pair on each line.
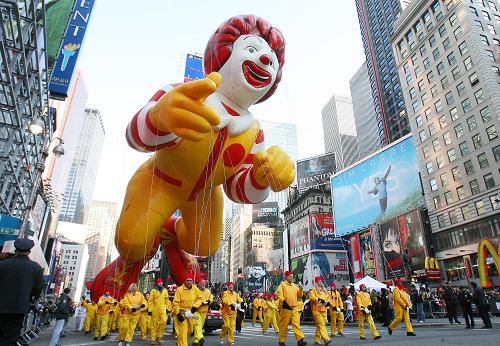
x,y
437,334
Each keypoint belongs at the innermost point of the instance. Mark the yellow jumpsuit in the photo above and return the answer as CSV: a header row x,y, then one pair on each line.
x,y
292,294
229,315
363,300
113,316
184,299
206,299
158,305
122,330
133,303
270,317
401,304
336,312
144,322
319,312
104,305
91,308
257,307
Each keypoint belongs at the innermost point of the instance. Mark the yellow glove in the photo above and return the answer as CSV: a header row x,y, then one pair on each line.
x,y
183,111
273,168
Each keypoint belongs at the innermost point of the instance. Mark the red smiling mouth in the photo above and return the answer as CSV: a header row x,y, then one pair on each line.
x,y
256,76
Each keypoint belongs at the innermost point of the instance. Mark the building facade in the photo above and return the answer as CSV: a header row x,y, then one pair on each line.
x,y
100,237
82,175
364,112
219,264
448,53
376,19
339,130
260,239
74,259
240,222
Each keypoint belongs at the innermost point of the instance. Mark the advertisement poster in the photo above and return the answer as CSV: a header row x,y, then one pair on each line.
x,y
275,262
255,277
356,257
299,238
266,212
403,246
380,188
315,171
194,68
331,266
322,233
367,254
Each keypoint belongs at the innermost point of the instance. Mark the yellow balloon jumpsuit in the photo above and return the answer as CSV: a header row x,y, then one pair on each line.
x,y
91,308
257,307
145,322
319,299
291,294
336,312
133,303
401,305
364,301
270,316
206,299
104,305
229,301
158,305
184,299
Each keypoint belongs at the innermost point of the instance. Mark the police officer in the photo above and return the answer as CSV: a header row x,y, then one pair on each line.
x,y
21,279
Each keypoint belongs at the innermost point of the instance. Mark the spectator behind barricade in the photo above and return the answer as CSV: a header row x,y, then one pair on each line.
x,y
349,308
64,309
21,280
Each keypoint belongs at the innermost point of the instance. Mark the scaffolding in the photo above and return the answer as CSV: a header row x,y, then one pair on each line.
x,y
23,97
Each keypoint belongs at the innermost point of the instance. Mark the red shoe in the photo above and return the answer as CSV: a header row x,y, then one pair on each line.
x,y
179,261
118,276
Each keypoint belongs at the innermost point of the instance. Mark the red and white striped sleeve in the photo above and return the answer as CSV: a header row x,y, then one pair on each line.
x,y
143,135
242,186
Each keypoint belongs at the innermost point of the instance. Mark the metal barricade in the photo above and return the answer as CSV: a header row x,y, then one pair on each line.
x,y
437,308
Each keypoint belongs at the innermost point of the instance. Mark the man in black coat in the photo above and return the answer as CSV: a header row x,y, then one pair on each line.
x,y
451,301
479,298
21,280
465,300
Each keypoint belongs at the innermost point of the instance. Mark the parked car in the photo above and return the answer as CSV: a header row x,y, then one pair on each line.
x,y
213,321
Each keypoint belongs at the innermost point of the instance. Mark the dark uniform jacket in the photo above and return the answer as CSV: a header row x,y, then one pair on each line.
x,y
20,279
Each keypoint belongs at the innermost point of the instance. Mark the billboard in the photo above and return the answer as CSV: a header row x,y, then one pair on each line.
x,y
266,212
322,234
331,266
299,238
381,187
315,171
57,13
194,68
363,255
275,262
255,277
67,57
9,228
403,245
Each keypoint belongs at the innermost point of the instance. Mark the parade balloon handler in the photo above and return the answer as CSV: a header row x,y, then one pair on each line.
x,y
208,120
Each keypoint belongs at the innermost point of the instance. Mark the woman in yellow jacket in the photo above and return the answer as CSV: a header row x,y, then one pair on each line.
x,y
145,320
104,306
320,301
133,302
401,308
91,308
364,303
270,314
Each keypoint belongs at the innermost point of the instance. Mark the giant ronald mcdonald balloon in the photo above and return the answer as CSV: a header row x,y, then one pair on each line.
x,y
203,136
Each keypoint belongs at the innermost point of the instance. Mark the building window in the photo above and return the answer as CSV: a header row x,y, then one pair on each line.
x,y
447,138
489,181
423,135
440,68
459,131
464,148
440,161
453,216
479,24
461,192
496,153
480,208
473,79
461,89
442,121
469,167
483,161
495,202
416,106
430,77
439,107
446,44
474,187
425,151
444,83
453,19
432,40
441,220
474,11
434,90
484,40
412,93
455,73
433,184
465,212
421,85
448,196
463,48
451,155
435,144
455,171
477,141
424,99
471,123
444,179
468,63
428,113
491,132
491,29
479,96
486,114
490,55
418,120
437,202
458,33
452,60
449,98
429,167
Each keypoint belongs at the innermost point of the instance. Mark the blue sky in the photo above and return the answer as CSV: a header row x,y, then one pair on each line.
x,y
132,48
353,206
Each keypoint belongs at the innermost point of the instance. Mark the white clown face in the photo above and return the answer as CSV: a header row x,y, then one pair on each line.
x,y
249,72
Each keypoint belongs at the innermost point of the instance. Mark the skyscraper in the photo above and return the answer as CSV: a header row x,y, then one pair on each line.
x,y
376,19
83,171
364,112
101,225
448,52
339,130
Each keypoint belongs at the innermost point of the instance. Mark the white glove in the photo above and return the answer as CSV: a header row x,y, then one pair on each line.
x,y
367,311
338,309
